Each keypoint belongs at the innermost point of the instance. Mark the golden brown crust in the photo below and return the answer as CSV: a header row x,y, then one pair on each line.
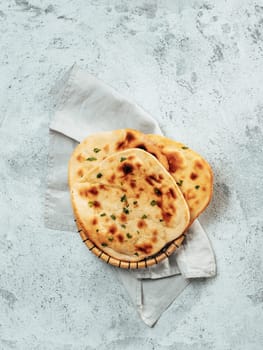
x,y
130,223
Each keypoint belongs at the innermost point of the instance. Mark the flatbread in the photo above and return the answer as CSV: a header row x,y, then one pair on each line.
x,y
191,172
96,147
129,206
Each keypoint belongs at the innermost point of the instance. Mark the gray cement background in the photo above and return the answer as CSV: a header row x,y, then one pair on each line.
x,y
197,67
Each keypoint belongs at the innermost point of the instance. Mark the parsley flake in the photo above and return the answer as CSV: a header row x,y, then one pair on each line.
x,y
135,202
126,211
123,226
185,147
104,244
113,217
128,235
99,175
144,216
96,150
91,204
123,159
153,202
180,183
136,253
110,239
103,214
196,187
91,159
124,198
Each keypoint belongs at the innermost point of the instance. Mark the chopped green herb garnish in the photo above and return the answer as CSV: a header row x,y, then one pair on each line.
x,y
91,204
113,217
123,159
153,202
123,226
91,159
180,183
135,202
128,235
96,150
136,253
161,220
144,216
157,191
103,214
196,187
138,232
184,147
124,198
126,211
110,239
104,244
99,175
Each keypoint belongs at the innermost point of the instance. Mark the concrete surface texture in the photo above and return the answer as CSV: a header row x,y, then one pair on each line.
x,y
197,67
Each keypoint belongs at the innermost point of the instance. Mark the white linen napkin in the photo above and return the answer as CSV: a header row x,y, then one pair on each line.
x,y
86,106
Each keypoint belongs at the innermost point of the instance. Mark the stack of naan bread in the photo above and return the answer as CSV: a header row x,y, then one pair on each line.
x,y
133,193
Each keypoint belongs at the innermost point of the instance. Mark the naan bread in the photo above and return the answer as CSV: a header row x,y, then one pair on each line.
x,y
191,172
129,206
96,147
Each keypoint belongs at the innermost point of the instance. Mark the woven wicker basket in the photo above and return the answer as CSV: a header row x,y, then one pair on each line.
x,y
152,260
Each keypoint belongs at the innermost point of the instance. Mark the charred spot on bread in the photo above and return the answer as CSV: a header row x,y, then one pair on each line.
x,y
127,168
94,221
133,183
120,145
141,223
96,204
146,248
93,190
193,176
167,216
172,193
141,146
120,237
198,164
130,136
113,229
112,178
123,217
175,161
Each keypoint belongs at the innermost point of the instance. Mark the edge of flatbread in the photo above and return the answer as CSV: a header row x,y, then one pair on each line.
x,y
192,173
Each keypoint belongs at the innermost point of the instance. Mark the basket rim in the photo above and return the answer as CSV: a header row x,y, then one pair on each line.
x,y
155,259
